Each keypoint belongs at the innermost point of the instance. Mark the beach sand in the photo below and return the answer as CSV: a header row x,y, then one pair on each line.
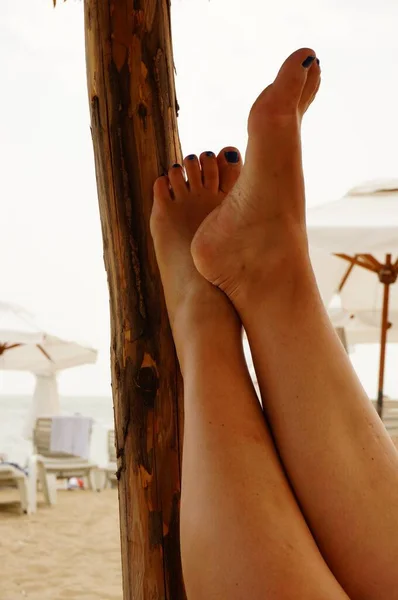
x,y
68,552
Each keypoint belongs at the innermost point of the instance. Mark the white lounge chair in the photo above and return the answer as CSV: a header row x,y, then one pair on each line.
x,y
13,477
390,420
111,468
390,417
58,465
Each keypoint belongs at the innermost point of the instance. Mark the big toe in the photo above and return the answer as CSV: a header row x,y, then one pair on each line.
x,y
295,80
229,165
292,76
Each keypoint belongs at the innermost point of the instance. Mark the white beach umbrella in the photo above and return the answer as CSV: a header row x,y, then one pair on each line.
x,y
25,348
364,220
51,355
45,360
17,327
361,231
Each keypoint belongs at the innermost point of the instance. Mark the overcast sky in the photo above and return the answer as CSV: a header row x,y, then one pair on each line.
x,y
226,51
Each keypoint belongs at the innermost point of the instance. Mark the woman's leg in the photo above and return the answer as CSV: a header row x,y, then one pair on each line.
x,y
338,457
242,533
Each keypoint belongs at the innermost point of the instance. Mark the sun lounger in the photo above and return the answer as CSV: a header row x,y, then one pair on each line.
x,y
390,417
13,476
390,420
58,464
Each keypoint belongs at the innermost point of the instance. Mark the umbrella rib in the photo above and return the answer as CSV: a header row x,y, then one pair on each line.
x,y
44,352
346,276
373,261
364,262
356,260
4,347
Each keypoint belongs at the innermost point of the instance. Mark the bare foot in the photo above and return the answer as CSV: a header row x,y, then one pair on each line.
x,y
262,221
180,205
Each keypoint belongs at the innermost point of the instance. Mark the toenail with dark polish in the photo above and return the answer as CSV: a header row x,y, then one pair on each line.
x,y
318,62
232,156
176,166
210,154
308,61
191,157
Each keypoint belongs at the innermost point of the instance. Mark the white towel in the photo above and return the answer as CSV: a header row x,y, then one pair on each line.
x,y
71,435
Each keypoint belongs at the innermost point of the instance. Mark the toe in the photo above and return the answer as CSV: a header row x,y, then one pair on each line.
x,y
162,199
283,96
311,86
292,75
194,174
177,181
229,165
209,166
161,189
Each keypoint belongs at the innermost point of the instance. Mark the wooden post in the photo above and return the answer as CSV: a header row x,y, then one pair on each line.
x,y
134,128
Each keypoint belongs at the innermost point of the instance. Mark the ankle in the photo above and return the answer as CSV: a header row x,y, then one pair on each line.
x,y
283,263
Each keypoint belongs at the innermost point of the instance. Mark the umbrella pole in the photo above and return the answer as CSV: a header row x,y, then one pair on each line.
x,y
383,339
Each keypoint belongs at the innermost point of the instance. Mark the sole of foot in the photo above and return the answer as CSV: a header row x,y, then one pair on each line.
x,y
182,200
261,222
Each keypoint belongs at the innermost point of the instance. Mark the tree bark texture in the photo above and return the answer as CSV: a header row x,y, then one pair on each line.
x,y
130,73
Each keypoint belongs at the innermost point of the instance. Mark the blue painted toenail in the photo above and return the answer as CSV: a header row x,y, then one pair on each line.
x,y
191,157
210,154
232,156
308,61
176,166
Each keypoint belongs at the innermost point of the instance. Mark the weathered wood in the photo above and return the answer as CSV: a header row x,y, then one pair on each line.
x,y
134,128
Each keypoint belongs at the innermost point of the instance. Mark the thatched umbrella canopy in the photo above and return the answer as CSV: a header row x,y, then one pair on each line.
x,y
134,128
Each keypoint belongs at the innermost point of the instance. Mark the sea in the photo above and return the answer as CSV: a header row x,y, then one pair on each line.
x,y
14,411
